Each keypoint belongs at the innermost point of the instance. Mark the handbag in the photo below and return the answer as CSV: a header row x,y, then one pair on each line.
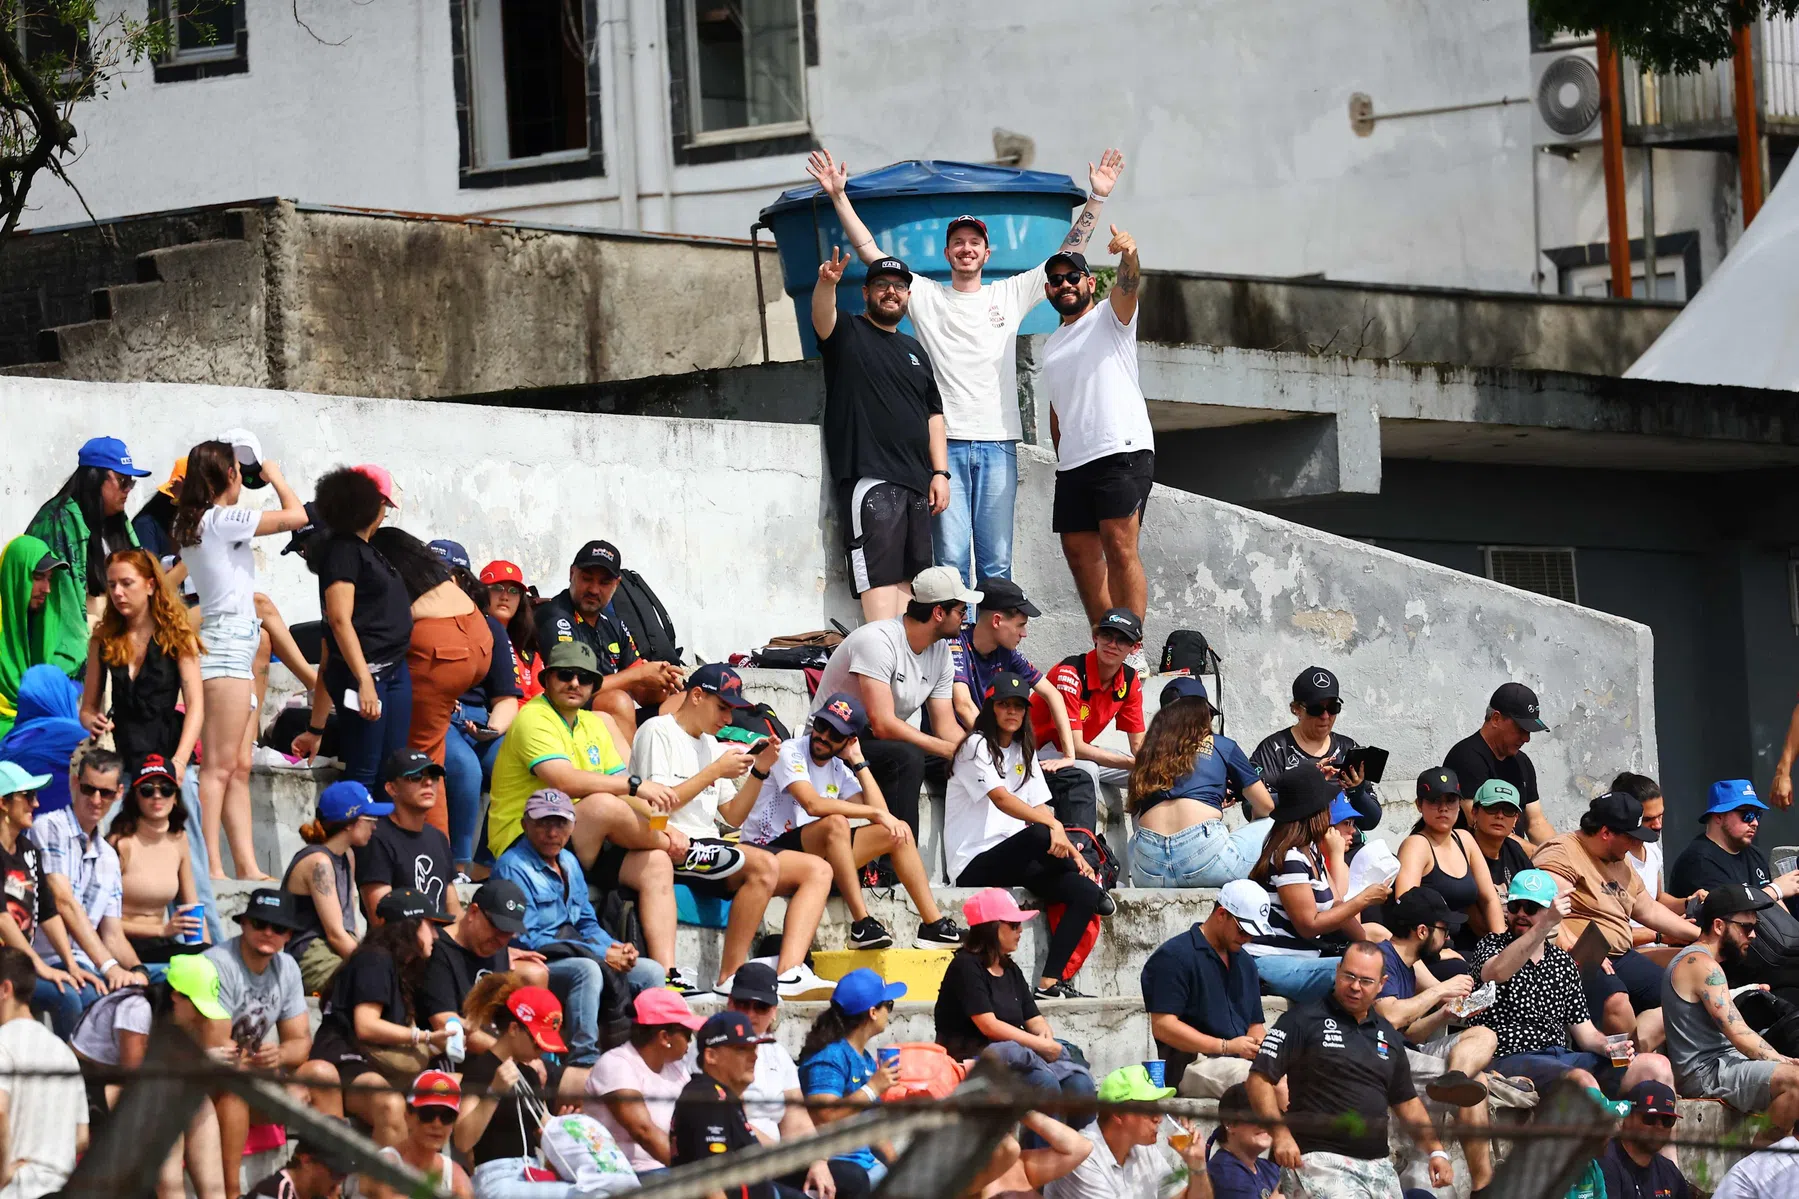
x,y
576,1148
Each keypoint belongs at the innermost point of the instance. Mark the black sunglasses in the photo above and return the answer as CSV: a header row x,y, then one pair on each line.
x,y
564,674
264,925
1524,906
90,789
1656,1121
125,482
155,790
435,1114
1334,707
1058,278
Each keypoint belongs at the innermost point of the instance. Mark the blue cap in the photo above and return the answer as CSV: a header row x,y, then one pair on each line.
x,y
1534,886
862,990
347,799
715,678
451,552
1342,809
1184,687
15,778
109,453
843,712
1730,794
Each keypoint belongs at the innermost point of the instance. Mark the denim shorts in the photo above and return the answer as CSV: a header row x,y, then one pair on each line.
x,y
230,643
1207,854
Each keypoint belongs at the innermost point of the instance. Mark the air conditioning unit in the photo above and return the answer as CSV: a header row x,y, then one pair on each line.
x,y
1565,97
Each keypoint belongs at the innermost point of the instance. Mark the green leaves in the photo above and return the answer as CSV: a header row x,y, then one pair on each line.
x,y
1672,36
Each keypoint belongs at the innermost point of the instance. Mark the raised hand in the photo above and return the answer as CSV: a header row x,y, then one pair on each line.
x,y
832,175
831,269
1101,179
1121,243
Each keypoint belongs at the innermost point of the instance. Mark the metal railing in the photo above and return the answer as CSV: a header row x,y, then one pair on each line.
x,y
1701,105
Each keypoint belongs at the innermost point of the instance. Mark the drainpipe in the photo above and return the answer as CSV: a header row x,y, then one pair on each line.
x,y
614,46
1611,125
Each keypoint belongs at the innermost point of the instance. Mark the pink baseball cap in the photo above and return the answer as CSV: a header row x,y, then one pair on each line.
x,y
659,1005
995,903
382,480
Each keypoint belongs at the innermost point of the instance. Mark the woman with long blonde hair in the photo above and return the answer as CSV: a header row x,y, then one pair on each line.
x,y
147,652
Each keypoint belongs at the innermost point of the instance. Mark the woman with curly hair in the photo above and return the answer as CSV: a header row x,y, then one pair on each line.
x,y
1184,778
145,653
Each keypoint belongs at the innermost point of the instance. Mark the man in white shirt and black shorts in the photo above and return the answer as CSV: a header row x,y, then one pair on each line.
x,y
1105,448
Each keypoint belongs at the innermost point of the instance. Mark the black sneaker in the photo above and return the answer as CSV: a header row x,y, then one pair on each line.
x,y
1107,905
944,931
1457,1089
681,982
1061,990
869,933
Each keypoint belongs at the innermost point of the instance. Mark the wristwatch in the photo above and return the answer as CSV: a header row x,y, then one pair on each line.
x,y
635,783
759,773
944,473
855,767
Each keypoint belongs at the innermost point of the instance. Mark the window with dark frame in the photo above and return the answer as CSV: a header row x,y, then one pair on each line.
x,y
746,68
527,90
208,38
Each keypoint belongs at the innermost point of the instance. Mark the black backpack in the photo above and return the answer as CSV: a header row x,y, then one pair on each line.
x,y
1773,956
1775,1018
1188,650
1092,846
638,606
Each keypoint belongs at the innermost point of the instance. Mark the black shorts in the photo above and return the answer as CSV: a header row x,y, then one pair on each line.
x,y
606,865
349,1059
1632,974
1104,489
889,535
787,842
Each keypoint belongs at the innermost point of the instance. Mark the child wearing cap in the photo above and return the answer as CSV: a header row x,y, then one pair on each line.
x,y
323,876
28,904
835,1063
510,601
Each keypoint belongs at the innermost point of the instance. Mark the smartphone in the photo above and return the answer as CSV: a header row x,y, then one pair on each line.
x,y
352,700
1371,758
757,747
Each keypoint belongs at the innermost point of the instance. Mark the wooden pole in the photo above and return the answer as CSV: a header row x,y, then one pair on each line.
x,y
1749,141
1611,130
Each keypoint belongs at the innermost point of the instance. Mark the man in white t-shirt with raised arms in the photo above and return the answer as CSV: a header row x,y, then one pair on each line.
x,y
970,330
1105,448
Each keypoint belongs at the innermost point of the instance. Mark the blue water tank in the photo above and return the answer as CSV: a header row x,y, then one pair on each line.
x,y
907,206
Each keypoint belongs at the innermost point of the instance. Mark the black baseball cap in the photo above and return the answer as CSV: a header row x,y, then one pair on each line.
x,y
1008,685
273,907
717,679
598,555
755,982
502,901
1652,1098
48,563
403,903
1423,905
1437,782
1518,703
890,266
726,1029
303,536
1122,621
1622,814
409,763
1314,685
1730,899
1073,258
1003,595
965,219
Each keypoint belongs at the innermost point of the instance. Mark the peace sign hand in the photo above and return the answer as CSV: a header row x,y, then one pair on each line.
x,y
831,269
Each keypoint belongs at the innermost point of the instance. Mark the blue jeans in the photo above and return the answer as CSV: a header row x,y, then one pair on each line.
x,y
468,769
1064,1076
503,1178
983,483
1200,855
578,983
1546,1067
65,1006
365,744
1298,979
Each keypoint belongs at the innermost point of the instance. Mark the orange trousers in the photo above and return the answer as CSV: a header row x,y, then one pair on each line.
x,y
449,655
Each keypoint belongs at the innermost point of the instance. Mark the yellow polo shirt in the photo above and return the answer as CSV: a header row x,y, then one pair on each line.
x,y
539,734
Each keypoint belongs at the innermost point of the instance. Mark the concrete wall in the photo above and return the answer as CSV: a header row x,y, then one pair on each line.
x,y
728,520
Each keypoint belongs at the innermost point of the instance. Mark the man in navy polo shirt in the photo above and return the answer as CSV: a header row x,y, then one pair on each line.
x,y
1204,996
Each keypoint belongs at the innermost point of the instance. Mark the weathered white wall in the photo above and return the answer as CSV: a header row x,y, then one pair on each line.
x,y
727,520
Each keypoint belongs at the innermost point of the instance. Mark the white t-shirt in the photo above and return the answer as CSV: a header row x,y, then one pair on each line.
x,y
880,651
97,1036
1772,1173
971,337
664,752
776,811
1090,376
765,1099
1649,870
971,823
623,1069
222,567
45,1113
1147,1172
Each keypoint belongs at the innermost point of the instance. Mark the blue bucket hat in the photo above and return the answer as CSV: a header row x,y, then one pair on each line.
x,y
862,990
1728,795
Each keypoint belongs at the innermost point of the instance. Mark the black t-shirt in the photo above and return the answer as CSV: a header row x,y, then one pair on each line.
x,y
1510,861
370,976
450,974
608,638
401,858
1706,865
1473,762
967,991
1624,1179
709,1120
1338,1066
880,395
504,1136
501,680
382,613
28,900
276,1186
1280,752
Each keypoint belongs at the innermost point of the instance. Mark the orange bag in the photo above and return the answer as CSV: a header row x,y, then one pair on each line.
x,y
926,1071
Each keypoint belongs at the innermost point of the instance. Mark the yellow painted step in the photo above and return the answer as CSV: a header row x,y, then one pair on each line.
x,y
920,969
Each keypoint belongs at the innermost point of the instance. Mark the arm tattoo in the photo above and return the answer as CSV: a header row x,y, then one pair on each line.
x,y
1130,275
323,878
1715,978
1081,230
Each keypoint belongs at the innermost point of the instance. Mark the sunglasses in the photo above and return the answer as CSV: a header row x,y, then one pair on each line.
x,y
563,674
893,285
264,926
1334,707
1749,815
154,790
1655,1121
1523,907
435,1114
124,482
1058,278
90,790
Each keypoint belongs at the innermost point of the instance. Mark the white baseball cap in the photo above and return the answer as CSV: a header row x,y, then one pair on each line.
x,y
1248,902
943,585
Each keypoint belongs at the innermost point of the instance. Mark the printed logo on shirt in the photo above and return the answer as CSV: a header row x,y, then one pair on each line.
x,y
1018,769
426,881
995,317
593,756
914,358
1333,1037
1271,1044
1380,1044
830,790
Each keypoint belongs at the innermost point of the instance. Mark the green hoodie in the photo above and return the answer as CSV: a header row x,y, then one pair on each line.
x,y
56,634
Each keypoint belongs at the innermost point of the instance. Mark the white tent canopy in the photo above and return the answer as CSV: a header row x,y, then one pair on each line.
x,y
1743,326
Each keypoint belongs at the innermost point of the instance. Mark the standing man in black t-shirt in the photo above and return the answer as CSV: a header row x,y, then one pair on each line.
x,y
884,432
407,852
1496,751
708,1119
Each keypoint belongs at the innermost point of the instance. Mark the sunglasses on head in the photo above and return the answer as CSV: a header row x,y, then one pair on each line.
x,y
154,790
566,674
90,790
435,1114
1058,278
1523,907
1333,706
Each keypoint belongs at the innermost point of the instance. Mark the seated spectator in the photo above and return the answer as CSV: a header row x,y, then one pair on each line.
x,y
507,1085
836,1063
1204,998
1436,841
156,867
29,905
1313,738
259,986
482,716
32,623
406,849
509,601
681,751
999,830
43,1117
1236,1167
1098,689
895,667
632,1088
1495,811
1765,1174
989,647
112,1040
323,875
556,742
1127,1161
1414,1002
583,615
145,658
1298,960
1604,891
1716,1054
1727,852
368,1035
708,1116
805,808
560,923
85,879
1646,859
1022,1173
1634,1162
984,1004
1185,776
433,1107
311,1173
471,947
1541,1017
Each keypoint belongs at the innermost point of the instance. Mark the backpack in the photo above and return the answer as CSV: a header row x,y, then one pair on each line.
x,y
1092,846
638,606
1773,955
1776,1019
1188,650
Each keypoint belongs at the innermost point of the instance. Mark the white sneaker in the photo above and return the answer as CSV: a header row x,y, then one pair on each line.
x,y
723,989
1137,662
801,983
